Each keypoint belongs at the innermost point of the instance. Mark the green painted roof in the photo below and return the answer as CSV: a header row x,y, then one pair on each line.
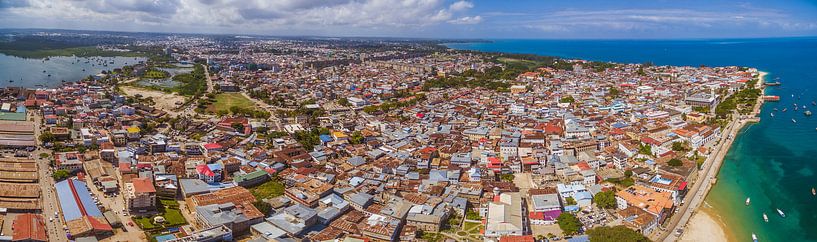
x,y
12,116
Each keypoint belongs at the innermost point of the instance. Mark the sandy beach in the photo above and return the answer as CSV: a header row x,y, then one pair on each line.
x,y
704,227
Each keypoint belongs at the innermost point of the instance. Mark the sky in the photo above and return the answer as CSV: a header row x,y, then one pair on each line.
x,y
536,19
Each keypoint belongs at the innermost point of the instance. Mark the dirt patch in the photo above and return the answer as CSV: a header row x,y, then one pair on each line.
x,y
167,102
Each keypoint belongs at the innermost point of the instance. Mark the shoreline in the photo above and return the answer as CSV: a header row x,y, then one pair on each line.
x,y
707,226
710,177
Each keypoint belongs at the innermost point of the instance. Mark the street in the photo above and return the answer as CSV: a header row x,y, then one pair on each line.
x,y
49,194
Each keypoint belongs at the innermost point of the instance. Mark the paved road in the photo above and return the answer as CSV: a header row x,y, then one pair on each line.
x,y
49,194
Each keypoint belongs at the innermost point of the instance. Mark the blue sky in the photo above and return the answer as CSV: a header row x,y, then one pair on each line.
x,y
549,19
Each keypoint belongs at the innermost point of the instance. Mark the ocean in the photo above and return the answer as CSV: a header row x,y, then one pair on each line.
x,y
26,72
774,162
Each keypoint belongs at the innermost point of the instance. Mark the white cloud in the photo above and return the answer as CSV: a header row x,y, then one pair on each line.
x,y
303,16
461,5
467,20
656,19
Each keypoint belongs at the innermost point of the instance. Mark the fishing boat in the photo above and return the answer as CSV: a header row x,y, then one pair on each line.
x,y
813,192
781,213
807,113
748,200
754,237
765,218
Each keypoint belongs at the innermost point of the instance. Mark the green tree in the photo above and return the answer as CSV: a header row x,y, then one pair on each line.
x,y
628,173
570,201
263,207
678,146
60,175
567,99
344,102
356,138
506,177
645,149
615,234
47,137
569,224
44,155
605,200
675,162
613,92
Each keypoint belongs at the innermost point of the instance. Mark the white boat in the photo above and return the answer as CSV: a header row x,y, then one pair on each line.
x,y
765,218
813,192
793,121
781,213
771,114
754,237
748,200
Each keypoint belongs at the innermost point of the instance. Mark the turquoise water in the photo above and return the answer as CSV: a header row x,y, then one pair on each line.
x,y
29,72
773,162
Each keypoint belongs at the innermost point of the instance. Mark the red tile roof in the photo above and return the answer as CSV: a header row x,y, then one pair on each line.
x,y
143,185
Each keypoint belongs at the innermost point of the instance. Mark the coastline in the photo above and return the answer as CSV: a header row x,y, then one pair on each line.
x,y
701,222
707,226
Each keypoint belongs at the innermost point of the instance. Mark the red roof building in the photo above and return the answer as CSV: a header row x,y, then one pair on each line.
x,y
28,227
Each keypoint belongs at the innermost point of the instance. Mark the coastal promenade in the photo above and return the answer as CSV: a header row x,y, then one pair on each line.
x,y
696,195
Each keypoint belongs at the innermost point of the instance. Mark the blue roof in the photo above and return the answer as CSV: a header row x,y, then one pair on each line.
x,y
325,138
163,238
214,166
582,195
70,204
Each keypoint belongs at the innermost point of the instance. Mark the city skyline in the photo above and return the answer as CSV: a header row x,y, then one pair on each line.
x,y
425,18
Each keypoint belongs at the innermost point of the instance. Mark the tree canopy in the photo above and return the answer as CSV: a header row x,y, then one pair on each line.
x,y
675,162
569,223
605,199
615,234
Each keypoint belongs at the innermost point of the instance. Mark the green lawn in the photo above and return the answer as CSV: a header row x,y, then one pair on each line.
x,y
169,209
224,101
269,189
468,226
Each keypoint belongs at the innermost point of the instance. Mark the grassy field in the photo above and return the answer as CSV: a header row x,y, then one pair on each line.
x,y
272,188
155,74
226,100
521,62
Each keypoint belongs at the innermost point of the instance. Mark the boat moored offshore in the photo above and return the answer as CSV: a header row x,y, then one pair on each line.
x,y
781,213
765,218
754,237
748,200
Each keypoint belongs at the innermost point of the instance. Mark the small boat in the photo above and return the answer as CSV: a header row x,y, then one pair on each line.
x,y
748,200
813,103
754,237
784,109
813,192
807,113
781,213
793,121
43,71
771,114
765,218
775,109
